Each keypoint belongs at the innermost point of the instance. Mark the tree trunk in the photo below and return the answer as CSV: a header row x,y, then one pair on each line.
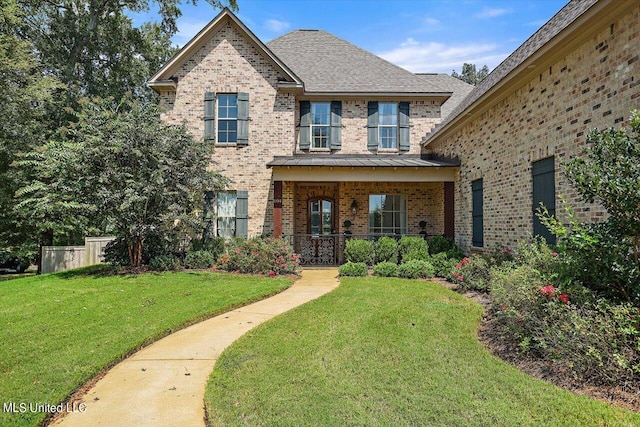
x,y
135,252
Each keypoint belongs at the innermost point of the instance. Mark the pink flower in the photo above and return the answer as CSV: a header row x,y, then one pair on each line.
x,y
507,251
272,273
554,254
564,298
547,291
503,308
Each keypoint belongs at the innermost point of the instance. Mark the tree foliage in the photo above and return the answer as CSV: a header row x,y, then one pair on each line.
x,y
470,74
607,254
25,99
121,170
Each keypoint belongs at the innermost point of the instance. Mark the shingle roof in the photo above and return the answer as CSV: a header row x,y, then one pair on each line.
x,y
459,88
364,160
326,63
548,31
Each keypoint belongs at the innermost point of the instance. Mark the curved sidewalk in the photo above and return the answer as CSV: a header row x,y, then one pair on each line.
x,y
164,384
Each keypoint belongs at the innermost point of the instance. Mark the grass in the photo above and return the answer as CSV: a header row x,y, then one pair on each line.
x,y
380,351
58,331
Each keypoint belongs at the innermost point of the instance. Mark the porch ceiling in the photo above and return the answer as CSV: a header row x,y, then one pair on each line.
x,y
367,168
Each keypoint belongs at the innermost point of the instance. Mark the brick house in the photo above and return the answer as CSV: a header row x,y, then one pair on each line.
x,y
320,137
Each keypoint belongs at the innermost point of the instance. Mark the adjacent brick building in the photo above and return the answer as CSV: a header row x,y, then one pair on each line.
x,y
319,137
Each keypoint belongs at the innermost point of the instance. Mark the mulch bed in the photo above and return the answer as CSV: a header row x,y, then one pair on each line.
x,y
490,337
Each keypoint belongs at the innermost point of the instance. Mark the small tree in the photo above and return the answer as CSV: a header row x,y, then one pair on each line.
x,y
122,171
607,172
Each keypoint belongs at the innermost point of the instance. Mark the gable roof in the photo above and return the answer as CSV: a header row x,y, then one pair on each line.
x,y
518,60
327,64
163,79
457,87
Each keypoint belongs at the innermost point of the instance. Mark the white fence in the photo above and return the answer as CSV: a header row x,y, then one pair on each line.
x,y
60,258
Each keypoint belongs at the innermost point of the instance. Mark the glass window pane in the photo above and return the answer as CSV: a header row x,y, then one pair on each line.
x,y
387,214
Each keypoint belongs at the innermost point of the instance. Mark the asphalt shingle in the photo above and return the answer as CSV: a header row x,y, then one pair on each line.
x,y
328,64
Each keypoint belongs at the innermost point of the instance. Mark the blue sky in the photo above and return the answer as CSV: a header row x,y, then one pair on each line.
x,y
419,35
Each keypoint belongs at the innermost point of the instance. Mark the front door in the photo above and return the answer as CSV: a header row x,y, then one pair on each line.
x,y
319,246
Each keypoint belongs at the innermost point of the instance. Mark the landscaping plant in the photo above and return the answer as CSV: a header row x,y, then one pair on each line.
x,y
353,269
416,269
413,248
359,250
386,250
385,269
199,259
259,255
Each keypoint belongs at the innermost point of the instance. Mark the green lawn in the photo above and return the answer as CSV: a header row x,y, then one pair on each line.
x,y
385,352
58,331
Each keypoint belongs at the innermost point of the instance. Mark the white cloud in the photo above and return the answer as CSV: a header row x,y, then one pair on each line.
x,y
491,13
186,31
276,26
431,21
433,57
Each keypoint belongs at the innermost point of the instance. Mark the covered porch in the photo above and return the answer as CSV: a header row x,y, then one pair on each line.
x,y
321,201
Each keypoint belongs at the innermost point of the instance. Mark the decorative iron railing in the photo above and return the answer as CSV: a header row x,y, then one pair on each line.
x,y
328,249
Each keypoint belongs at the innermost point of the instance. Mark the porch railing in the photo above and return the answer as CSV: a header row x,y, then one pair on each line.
x,y
328,249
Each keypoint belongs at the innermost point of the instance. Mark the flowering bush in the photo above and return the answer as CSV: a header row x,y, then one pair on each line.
x,y
598,342
472,273
443,264
260,256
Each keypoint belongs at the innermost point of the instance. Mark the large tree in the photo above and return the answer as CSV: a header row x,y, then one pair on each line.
x,y
470,74
25,99
121,164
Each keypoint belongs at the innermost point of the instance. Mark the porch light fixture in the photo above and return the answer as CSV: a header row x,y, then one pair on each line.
x,y
354,206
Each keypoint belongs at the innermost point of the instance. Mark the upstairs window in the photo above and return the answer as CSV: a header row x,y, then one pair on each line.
x,y
227,118
388,125
320,124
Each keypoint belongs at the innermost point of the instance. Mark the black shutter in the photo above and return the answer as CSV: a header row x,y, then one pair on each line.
x,y
305,122
477,239
243,119
242,214
210,116
336,125
372,126
403,126
544,191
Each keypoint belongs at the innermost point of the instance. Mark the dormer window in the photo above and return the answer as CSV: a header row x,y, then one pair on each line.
x,y
320,124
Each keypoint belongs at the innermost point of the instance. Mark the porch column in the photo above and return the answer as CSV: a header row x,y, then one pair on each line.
x,y
449,209
277,209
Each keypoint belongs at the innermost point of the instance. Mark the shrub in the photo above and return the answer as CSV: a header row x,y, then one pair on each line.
x,y
415,269
164,263
386,249
598,342
260,256
354,269
359,250
472,274
439,244
443,265
199,259
386,269
214,245
413,248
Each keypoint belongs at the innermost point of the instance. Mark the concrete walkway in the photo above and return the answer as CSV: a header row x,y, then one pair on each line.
x,y
164,383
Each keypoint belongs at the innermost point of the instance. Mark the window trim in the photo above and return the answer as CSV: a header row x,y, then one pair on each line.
x,y
383,126
395,227
326,126
220,119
